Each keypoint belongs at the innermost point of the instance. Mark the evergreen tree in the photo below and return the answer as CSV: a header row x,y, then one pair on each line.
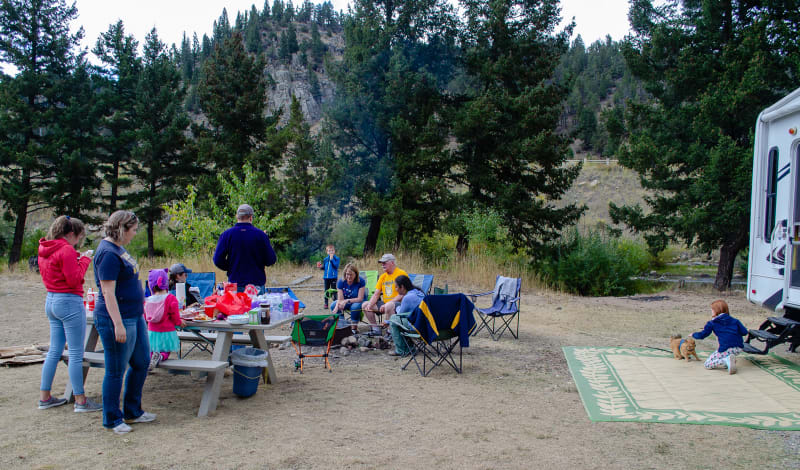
x,y
162,162
35,38
318,48
510,156
252,32
232,95
222,28
387,111
74,188
711,67
288,13
304,180
291,39
277,11
116,99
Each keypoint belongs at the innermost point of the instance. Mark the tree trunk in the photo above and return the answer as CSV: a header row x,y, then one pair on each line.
x,y
21,210
151,250
727,258
112,206
372,235
398,239
462,245
19,233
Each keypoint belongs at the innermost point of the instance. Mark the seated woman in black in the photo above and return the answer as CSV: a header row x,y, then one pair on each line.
x,y
350,293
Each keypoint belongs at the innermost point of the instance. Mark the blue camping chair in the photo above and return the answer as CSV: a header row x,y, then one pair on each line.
x,y
423,281
498,318
436,328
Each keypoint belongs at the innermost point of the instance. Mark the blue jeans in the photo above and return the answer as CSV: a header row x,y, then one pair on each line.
x,y
134,352
67,318
355,311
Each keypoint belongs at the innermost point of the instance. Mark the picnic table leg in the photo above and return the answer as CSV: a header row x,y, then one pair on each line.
x,y
91,343
260,341
214,381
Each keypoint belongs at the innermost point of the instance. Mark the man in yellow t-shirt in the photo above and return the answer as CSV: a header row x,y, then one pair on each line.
x,y
384,288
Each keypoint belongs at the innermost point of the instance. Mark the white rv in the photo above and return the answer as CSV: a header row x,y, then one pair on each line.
x,y
773,277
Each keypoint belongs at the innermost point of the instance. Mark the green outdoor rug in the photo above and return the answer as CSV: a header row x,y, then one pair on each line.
x,y
648,385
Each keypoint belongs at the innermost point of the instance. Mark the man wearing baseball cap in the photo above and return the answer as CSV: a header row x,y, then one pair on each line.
x,y
243,251
385,288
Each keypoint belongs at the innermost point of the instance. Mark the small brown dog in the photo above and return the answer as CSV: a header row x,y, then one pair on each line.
x,y
682,348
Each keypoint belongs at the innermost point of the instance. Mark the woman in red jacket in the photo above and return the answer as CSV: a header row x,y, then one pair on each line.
x,y
63,270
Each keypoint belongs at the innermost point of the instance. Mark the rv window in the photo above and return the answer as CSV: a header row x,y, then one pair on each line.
x,y
772,184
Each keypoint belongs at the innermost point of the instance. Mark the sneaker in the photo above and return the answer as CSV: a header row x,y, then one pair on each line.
x,y
155,358
144,418
122,428
87,407
51,402
731,360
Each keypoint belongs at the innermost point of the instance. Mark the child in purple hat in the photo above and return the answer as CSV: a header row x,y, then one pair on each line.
x,y
163,316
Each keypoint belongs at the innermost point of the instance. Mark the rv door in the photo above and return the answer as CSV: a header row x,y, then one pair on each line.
x,y
793,235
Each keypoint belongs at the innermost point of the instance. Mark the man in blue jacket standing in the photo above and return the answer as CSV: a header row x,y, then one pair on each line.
x,y
243,251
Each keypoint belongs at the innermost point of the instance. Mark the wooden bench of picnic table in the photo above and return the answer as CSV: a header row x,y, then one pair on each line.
x,y
97,358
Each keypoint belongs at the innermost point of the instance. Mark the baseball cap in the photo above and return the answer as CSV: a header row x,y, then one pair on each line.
x,y
158,278
387,257
244,210
179,268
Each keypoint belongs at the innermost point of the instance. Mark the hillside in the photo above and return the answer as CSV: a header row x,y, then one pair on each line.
x,y
599,184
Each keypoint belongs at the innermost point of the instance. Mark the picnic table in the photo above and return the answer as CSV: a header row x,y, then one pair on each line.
x,y
215,366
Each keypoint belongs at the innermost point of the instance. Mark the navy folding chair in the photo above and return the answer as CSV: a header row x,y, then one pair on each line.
x,y
435,329
500,316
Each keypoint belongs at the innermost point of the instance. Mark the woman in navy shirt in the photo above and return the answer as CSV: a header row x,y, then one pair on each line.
x,y
350,293
119,319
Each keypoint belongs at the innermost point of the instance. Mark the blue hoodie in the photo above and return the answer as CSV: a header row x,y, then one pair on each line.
x,y
729,332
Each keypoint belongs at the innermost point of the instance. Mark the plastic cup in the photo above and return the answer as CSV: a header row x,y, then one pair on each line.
x,y
296,307
209,310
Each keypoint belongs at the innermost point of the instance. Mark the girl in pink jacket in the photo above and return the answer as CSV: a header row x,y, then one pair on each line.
x,y
163,316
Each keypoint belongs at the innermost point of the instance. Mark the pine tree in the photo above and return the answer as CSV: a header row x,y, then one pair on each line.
x,y
75,185
711,67
116,99
387,111
232,95
163,163
304,179
510,157
35,38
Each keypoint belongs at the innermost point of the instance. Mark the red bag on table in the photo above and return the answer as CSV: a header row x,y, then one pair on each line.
x,y
231,303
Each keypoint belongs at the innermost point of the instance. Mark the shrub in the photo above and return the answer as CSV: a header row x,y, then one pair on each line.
x,y
594,264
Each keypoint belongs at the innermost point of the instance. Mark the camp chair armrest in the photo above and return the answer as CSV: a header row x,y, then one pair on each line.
x,y
479,295
513,300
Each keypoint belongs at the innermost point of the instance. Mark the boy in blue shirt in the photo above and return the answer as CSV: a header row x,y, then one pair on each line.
x,y
330,271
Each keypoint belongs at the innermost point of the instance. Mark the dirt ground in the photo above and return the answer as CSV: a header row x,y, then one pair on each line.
x,y
514,406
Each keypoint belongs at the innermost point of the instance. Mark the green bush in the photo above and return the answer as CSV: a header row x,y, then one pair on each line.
x,y
30,244
348,237
594,264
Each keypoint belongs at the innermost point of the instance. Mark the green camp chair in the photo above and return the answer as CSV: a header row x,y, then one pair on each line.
x,y
314,331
